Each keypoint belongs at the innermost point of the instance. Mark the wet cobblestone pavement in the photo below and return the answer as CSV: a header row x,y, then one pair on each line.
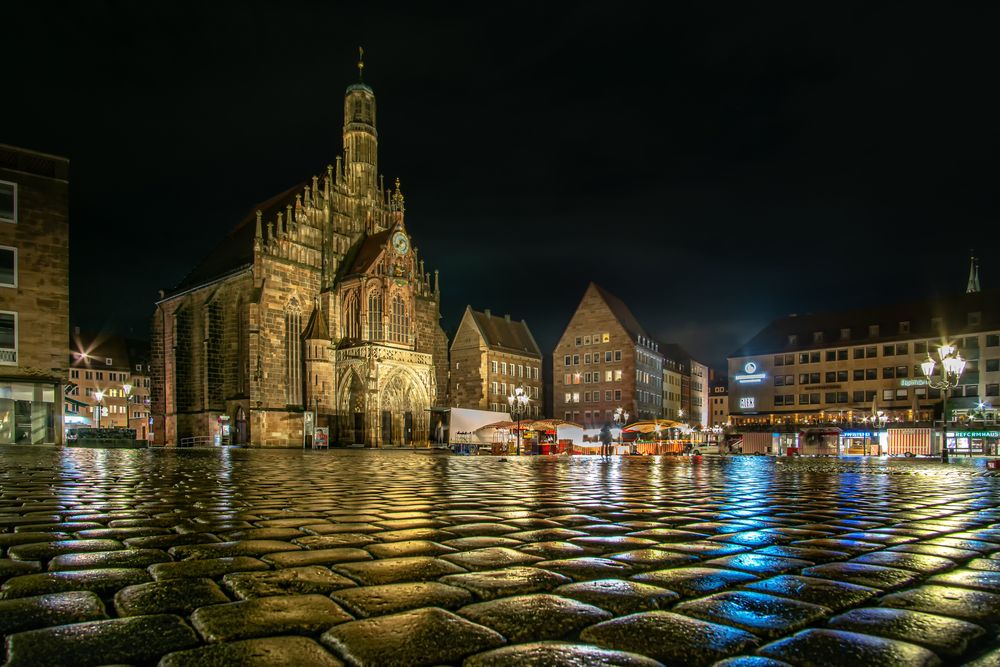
x,y
218,557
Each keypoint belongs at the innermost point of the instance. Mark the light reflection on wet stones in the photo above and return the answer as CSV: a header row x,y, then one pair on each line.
x,y
893,547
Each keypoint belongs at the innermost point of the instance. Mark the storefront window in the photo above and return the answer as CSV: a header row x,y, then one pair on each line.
x,y
27,414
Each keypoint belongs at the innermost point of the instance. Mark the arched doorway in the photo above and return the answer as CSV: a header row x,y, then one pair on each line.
x,y
403,410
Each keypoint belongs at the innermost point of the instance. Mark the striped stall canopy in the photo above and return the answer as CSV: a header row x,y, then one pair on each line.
x,y
913,440
757,443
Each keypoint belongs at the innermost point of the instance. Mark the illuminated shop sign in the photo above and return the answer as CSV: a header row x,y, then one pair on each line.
x,y
856,434
750,374
975,434
913,382
747,402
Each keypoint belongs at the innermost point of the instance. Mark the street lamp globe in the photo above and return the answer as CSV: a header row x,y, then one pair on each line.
x,y
952,367
127,392
518,402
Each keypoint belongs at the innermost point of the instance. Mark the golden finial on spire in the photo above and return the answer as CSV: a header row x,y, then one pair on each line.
x,y
397,198
361,64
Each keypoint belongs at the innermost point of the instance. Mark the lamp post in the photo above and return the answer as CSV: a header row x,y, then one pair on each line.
x,y
621,419
100,406
127,393
952,367
518,407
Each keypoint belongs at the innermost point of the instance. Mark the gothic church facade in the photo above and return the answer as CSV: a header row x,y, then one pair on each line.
x,y
317,303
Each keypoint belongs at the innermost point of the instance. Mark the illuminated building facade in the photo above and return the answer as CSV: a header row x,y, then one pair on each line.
x,y
110,373
34,295
490,356
315,311
605,360
838,367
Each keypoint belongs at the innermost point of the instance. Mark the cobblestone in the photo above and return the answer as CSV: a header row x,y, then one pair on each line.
x,y
434,560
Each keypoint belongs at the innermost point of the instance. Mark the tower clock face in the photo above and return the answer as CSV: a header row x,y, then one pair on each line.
x,y
400,243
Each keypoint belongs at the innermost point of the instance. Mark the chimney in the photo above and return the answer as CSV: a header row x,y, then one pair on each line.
x,y
507,317
486,311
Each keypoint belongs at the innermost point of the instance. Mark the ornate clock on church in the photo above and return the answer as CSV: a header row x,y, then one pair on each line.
x,y
400,243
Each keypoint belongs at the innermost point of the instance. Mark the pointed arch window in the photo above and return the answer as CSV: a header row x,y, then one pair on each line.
x,y
293,353
400,326
352,317
375,309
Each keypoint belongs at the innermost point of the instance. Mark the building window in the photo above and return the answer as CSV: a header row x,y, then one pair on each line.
x,y
618,375
566,362
901,394
992,365
859,353
975,318
8,338
607,395
576,359
817,336
902,371
293,354
904,327
993,389
872,330
871,352
579,341
888,350
888,373
871,373
400,325
586,340
618,394
793,340
618,355
8,202
8,266
586,358
375,315
993,340
494,366
503,368
887,394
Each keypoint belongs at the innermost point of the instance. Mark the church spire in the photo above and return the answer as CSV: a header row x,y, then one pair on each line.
x,y
973,285
360,136
361,65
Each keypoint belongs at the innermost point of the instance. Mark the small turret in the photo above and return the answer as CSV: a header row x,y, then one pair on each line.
x,y
973,285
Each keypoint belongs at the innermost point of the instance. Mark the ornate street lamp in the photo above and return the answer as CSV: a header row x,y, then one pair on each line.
x,y
127,393
621,419
100,406
952,367
518,408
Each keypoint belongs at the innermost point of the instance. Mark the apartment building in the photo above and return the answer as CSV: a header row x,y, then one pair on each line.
x,y
490,357
34,295
606,360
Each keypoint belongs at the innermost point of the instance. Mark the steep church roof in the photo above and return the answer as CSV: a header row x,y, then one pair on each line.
x,y
235,251
367,252
505,335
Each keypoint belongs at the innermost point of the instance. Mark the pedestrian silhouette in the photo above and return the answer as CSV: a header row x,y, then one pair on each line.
x,y
606,439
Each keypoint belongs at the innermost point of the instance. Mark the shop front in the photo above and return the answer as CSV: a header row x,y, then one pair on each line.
x,y
31,411
974,443
863,443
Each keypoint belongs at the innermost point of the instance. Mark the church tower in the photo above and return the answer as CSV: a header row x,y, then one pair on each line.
x,y
361,137
973,285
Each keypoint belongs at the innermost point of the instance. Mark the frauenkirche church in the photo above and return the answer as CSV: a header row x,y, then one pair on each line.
x,y
317,302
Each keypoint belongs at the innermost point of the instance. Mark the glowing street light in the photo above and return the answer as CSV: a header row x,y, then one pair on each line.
x,y
518,407
127,392
100,406
952,367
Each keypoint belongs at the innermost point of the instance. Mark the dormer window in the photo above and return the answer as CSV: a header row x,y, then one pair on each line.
x,y
872,330
793,339
975,318
904,327
817,336
845,334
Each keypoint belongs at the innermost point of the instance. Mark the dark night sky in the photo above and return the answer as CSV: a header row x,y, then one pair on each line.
x,y
715,166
